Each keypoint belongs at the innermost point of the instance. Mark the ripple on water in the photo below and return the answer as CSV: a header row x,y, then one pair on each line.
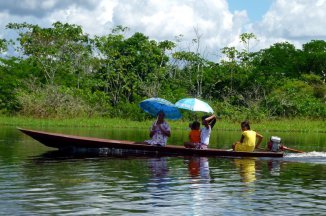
x,y
115,186
308,157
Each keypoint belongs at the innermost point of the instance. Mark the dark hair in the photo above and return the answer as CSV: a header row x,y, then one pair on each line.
x,y
211,122
204,117
195,125
245,124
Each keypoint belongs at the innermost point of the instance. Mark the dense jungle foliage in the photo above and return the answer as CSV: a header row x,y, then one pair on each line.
x,y
63,72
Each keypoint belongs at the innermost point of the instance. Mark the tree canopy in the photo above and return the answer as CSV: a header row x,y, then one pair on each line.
x,y
62,72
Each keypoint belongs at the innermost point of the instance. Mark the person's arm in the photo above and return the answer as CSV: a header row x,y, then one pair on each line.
x,y
165,132
210,118
241,139
151,134
260,139
153,130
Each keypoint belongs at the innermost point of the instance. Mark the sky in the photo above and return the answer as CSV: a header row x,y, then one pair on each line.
x,y
255,8
216,23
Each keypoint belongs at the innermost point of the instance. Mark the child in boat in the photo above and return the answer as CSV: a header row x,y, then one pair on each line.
x,y
248,138
205,133
194,135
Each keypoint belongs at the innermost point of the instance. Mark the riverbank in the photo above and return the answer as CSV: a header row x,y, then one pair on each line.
x,y
298,125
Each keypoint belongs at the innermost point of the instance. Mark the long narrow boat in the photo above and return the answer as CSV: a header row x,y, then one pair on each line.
x,y
65,142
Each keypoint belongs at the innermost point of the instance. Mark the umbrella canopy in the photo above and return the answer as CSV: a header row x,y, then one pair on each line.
x,y
194,104
154,105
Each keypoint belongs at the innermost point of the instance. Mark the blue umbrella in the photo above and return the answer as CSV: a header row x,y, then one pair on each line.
x,y
154,105
194,104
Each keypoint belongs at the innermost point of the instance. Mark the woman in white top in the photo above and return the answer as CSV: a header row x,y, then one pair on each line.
x,y
208,122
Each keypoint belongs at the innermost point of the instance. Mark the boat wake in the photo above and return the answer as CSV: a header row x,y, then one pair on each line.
x,y
308,157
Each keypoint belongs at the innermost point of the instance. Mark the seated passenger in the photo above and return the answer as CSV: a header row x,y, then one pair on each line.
x,y
160,131
194,135
247,141
205,133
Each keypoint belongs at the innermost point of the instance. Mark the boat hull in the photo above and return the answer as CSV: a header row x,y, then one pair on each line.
x,y
67,142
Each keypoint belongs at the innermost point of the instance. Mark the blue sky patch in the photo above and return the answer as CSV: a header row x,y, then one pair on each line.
x,y
255,8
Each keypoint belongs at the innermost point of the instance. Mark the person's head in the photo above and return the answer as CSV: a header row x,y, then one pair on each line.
x,y
195,125
203,119
160,116
206,123
190,125
245,125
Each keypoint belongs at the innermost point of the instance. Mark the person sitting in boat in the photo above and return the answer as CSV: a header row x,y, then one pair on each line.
x,y
205,133
248,139
160,131
194,135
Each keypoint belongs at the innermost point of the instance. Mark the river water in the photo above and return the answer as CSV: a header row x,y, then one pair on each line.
x,y
37,180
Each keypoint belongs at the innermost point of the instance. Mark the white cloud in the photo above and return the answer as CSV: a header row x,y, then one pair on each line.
x,y
95,22
296,21
163,20
160,20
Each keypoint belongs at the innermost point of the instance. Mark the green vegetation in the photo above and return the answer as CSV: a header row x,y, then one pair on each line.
x,y
62,73
288,125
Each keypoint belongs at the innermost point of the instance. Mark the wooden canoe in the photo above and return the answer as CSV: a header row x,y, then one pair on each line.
x,y
66,142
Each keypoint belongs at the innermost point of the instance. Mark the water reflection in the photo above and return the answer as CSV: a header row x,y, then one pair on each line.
x,y
198,167
158,167
247,168
274,167
158,183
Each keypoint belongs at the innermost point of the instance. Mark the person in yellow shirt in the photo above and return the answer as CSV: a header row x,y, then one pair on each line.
x,y
248,139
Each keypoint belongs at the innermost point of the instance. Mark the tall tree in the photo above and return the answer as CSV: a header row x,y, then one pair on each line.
x,y
246,38
314,54
193,65
61,52
14,73
279,60
131,66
